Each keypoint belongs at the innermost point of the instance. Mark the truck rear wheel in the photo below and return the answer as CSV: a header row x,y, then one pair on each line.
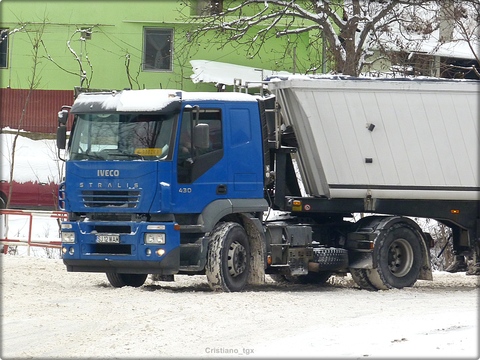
x,y
121,280
398,256
228,261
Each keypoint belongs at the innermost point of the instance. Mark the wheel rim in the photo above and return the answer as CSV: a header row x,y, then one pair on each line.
x,y
237,259
400,257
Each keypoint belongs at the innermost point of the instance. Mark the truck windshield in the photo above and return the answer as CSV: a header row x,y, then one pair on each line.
x,y
122,137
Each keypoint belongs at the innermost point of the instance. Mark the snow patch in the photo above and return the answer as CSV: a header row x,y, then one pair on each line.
x,y
35,160
224,73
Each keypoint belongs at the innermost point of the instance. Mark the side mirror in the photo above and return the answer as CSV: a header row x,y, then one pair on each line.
x,y
61,137
201,137
62,129
63,117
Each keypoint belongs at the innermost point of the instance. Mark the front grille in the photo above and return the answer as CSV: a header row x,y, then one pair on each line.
x,y
110,198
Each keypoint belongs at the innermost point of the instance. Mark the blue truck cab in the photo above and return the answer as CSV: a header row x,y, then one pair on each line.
x,y
153,176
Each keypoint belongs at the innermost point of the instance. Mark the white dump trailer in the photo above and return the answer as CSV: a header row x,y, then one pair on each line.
x,y
385,139
407,148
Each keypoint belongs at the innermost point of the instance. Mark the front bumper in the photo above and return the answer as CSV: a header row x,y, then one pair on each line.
x,y
168,265
129,255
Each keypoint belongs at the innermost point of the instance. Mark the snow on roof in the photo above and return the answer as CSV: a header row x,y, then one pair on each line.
x,y
129,100
457,48
217,96
224,73
334,82
457,44
148,100
453,49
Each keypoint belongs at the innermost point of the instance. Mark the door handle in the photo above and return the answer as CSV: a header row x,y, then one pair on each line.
x,y
221,189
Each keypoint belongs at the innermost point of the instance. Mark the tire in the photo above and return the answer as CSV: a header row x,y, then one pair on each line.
x,y
360,277
398,256
121,280
228,261
330,259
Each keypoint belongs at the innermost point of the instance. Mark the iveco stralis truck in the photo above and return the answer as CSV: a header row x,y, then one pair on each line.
x,y
169,182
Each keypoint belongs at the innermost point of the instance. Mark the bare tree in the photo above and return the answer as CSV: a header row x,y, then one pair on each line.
x,y
132,79
35,40
465,19
185,49
350,29
85,76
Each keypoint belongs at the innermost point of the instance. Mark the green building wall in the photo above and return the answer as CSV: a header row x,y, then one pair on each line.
x,y
117,40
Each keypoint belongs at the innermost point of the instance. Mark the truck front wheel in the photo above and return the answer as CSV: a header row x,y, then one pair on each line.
x,y
228,261
121,280
398,257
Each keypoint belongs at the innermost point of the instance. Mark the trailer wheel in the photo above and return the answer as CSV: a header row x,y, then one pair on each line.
x,y
398,256
360,277
228,261
121,280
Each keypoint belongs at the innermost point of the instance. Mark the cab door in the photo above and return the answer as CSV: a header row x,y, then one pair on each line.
x,y
201,163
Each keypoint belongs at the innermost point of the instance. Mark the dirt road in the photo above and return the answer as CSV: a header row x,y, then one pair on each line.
x,y
49,313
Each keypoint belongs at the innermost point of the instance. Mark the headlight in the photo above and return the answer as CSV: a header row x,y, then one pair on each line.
x,y
154,238
68,237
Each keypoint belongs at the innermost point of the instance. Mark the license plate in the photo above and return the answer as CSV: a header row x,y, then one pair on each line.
x,y
108,238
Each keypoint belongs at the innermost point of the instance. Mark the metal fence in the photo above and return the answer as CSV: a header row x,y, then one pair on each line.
x,y
11,235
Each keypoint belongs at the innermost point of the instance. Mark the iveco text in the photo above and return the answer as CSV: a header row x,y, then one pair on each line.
x,y
108,172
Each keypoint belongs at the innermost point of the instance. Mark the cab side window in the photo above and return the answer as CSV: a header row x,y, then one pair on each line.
x,y
194,161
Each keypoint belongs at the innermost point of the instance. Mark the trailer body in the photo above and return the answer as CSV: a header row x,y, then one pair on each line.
x,y
393,139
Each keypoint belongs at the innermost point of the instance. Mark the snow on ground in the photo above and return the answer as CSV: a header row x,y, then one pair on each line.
x,y
51,313
35,160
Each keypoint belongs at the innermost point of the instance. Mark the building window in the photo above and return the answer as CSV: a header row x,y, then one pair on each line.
x,y
206,7
3,48
157,49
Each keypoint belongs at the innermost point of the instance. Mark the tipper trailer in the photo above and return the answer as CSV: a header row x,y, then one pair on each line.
x,y
169,182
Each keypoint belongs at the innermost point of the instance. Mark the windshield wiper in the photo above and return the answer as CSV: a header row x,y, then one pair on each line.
x,y
85,155
130,155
